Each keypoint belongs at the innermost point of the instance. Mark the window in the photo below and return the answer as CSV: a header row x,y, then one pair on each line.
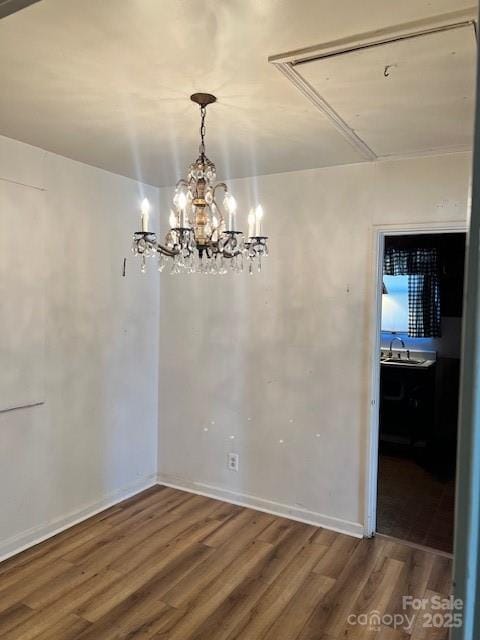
x,y
395,304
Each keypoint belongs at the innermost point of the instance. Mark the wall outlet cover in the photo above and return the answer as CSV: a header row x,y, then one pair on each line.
x,y
232,461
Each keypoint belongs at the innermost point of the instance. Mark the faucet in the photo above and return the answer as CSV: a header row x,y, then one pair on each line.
x,y
390,353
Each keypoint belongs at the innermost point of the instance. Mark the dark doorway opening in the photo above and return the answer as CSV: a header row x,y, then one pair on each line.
x,y
422,307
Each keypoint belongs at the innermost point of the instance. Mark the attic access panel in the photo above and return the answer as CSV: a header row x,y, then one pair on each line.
x,y
406,97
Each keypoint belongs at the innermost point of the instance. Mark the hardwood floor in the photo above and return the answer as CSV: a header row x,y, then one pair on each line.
x,y
169,565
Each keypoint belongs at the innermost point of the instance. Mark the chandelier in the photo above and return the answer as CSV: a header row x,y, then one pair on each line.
x,y
203,236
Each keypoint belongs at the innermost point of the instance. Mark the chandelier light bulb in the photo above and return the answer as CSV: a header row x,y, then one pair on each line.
x,y
258,220
230,205
172,219
181,201
145,209
182,205
251,223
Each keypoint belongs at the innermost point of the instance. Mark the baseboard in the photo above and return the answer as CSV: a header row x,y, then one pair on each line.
x,y
261,504
33,536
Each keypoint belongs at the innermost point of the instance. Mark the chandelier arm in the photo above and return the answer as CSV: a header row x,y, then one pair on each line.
x,y
208,252
188,251
166,251
231,248
228,254
220,185
210,237
220,212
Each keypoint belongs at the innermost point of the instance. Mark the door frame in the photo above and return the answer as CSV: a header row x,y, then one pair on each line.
x,y
379,234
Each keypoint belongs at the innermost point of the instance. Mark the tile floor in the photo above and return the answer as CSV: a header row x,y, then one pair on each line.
x,y
413,505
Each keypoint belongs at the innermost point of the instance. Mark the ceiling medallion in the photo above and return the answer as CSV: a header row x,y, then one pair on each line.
x,y
203,237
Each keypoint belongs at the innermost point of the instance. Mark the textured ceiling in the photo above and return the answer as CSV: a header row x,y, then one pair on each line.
x,y
108,83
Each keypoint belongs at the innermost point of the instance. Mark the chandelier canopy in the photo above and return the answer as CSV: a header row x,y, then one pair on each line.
x,y
203,236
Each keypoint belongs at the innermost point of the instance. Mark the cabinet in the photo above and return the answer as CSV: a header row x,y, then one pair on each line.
x,y
407,405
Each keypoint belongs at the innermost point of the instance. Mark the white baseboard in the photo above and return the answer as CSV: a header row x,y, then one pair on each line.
x,y
261,504
31,537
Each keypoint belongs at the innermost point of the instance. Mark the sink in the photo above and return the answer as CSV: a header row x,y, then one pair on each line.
x,y
407,361
413,358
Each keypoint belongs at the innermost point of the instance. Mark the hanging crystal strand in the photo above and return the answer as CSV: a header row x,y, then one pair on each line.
x,y
236,263
180,258
143,268
174,269
259,264
194,262
161,262
193,252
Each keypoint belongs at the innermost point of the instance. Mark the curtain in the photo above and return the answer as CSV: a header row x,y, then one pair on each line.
x,y
421,267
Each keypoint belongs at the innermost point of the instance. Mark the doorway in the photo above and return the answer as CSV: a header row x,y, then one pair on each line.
x,y
416,385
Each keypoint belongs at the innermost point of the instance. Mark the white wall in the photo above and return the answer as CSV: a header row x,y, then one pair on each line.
x,y
286,355
280,356
94,440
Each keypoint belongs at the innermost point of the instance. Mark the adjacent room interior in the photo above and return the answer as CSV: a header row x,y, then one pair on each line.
x,y
233,240
421,327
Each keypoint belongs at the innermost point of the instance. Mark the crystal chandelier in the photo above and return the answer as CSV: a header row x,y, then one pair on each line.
x,y
203,237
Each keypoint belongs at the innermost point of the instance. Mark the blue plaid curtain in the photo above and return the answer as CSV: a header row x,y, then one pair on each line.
x,y
421,267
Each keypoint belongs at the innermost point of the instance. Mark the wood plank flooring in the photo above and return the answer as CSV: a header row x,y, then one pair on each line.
x,y
169,565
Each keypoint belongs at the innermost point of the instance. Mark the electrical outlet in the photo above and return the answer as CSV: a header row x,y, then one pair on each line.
x,y
232,461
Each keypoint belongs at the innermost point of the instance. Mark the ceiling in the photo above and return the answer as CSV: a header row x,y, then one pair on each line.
x,y
108,83
405,97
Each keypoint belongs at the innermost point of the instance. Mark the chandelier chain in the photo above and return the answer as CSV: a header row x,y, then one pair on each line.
x,y
203,113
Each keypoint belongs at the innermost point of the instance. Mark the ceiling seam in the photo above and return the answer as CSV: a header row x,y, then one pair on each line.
x,y
322,105
380,37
